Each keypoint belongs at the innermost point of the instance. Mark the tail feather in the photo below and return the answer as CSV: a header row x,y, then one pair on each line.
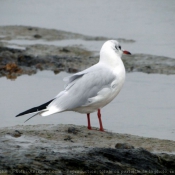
x,y
37,109
32,116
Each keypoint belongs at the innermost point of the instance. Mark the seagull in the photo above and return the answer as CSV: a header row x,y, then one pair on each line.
x,y
91,89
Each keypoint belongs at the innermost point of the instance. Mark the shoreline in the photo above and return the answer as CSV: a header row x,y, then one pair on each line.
x,y
70,148
79,132
18,58
79,150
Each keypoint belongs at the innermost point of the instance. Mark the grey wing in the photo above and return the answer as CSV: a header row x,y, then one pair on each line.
x,y
70,80
83,87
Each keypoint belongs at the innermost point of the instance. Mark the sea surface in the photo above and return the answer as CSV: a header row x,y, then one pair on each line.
x,y
150,23
144,107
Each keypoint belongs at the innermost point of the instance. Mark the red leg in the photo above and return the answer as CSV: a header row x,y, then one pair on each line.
x,y
89,122
100,121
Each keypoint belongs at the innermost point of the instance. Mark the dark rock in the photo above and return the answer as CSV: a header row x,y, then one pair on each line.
x,y
73,130
37,36
56,71
14,62
72,70
65,50
30,28
90,161
49,150
149,64
123,146
168,160
70,59
15,133
68,138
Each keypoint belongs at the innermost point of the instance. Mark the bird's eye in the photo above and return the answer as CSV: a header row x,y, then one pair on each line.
x,y
116,47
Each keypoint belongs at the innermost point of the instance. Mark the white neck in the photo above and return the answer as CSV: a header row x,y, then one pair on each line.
x,y
110,56
111,59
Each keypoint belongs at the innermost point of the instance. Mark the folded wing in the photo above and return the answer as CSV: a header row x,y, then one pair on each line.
x,y
81,88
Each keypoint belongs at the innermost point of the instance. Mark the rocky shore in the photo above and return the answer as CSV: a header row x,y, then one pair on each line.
x,y
17,59
70,149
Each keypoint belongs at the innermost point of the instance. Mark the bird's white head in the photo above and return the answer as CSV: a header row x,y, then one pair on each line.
x,y
111,52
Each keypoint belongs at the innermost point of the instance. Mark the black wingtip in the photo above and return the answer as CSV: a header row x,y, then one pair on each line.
x,y
28,111
20,114
35,109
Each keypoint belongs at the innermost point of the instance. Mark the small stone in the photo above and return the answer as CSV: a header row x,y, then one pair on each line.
x,y
123,146
16,134
65,50
68,138
72,70
17,146
73,130
37,36
30,28
56,71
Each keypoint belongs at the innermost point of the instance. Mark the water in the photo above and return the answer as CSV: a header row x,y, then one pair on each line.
x,y
150,23
144,107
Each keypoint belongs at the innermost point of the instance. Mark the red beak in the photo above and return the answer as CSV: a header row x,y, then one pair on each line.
x,y
126,52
